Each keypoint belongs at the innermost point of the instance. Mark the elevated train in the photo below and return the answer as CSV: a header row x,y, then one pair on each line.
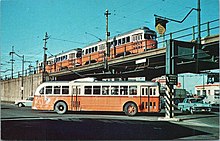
x,y
131,42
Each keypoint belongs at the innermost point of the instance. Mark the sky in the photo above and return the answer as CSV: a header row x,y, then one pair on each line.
x,y
25,22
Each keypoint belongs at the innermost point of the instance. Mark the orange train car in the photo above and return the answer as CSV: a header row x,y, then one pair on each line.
x,y
64,60
132,42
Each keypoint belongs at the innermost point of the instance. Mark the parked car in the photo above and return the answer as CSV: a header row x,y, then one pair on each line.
x,y
23,103
194,105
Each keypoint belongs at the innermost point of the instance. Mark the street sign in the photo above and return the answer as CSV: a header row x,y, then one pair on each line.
x,y
160,25
171,79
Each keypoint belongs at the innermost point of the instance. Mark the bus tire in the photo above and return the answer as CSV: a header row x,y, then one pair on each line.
x,y
130,109
60,107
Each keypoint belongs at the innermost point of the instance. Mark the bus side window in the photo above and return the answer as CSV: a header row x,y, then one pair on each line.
x,y
96,90
114,90
79,91
76,90
133,90
41,91
48,89
105,90
57,89
123,90
65,89
88,90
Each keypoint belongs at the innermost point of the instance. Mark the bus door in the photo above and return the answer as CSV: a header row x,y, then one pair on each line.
x,y
75,102
145,98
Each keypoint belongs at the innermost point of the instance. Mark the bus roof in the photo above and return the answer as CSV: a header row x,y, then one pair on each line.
x,y
116,82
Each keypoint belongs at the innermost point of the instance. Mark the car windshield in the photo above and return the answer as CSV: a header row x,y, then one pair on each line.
x,y
196,101
30,98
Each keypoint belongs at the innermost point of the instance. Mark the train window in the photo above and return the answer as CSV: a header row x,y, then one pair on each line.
x,y
148,36
123,40
72,55
48,89
154,91
123,90
78,54
128,39
86,51
65,89
114,90
105,90
101,47
96,90
119,41
133,38
57,89
96,48
93,49
89,50
150,91
132,90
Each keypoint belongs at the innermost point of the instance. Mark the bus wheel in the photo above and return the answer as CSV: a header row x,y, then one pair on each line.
x,y
130,109
60,107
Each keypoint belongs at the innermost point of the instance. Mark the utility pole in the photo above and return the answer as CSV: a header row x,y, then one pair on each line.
x,y
12,61
22,71
199,23
22,79
107,50
45,58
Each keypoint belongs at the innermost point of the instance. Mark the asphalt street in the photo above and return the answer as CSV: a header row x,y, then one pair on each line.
x,y
26,124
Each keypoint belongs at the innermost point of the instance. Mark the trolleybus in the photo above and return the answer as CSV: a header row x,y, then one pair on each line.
x,y
91,95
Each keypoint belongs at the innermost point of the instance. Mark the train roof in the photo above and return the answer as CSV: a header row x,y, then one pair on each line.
x,y
64,52
122,34
94,80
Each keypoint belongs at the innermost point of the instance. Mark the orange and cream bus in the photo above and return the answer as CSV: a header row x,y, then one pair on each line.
x,y
90,95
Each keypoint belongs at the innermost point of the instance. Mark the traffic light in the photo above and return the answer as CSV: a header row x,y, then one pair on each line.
x,y
160,25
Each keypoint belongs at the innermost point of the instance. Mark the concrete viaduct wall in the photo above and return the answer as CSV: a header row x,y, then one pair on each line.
x,y
11,89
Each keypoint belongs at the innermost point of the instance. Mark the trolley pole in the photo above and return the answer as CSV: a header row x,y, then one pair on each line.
x,y
107,50
45,58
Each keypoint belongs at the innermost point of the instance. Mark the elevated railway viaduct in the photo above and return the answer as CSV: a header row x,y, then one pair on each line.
x,y
149,64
